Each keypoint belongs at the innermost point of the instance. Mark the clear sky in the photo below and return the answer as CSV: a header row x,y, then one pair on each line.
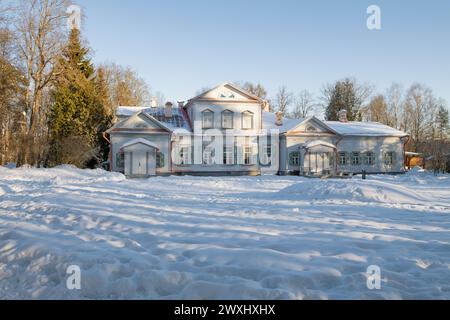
x,y
180,46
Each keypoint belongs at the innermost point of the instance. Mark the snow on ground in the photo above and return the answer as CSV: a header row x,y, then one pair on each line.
x,y
222,238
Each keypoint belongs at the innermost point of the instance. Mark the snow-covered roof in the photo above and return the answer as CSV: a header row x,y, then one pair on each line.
x,y
139,140
124,111
269,122
177,120
354,128
317,143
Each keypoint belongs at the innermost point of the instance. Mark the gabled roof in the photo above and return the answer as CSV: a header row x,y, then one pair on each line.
x,y
232,87
269,122
121,123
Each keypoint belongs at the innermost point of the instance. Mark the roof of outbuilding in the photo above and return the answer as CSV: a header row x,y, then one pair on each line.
x,y
354,128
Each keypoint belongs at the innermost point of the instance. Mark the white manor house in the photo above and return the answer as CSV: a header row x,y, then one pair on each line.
x,y
229,131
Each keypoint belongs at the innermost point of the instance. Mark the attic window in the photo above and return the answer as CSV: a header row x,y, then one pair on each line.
x,y
311,129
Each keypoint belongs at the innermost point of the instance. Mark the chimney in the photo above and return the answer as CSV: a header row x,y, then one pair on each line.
x,y
266,106
168,110
181,104
279,118
154,102
343,116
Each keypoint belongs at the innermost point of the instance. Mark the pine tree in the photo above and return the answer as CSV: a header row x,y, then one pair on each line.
x,y
77,115
345,95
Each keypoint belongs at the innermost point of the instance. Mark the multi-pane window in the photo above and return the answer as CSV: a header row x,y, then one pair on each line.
x,y
247,155
228,155
160,161
389,158
266,156
207,155
294,158
356,158
120,160
184,155
342,158
370,158
227,119
247,120
207,119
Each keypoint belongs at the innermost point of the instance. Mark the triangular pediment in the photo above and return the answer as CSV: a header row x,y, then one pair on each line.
x,y
227,92
140,121
312,125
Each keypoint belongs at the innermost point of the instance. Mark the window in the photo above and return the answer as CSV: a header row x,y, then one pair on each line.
x,y
207,119
120,160
389,158
160,161
356,158
342,158
228,156
207,155
247,120
227,119
294,158
369,158
184,155
311,129
247,155
266,156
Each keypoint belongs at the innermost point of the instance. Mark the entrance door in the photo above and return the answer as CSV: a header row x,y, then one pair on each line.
x,y
139,164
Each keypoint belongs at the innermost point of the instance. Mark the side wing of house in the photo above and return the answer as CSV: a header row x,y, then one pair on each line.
x,y
140,126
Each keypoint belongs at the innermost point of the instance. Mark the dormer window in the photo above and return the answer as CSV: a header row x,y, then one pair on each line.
x,y
207,119
247,120
227,119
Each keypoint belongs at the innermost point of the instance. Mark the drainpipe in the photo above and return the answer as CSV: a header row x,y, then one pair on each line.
x,y
336,155
408,138
110,151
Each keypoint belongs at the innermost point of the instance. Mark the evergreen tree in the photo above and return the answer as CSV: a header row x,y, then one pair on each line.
x,y
77,115
345,95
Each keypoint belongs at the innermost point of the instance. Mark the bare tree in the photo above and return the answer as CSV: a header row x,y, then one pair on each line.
x,y
126,87
40,30
283,99
394,100
377,110
304,105
418,112
256,89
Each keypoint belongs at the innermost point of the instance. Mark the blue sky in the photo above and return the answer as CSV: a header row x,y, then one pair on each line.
x,y
179,46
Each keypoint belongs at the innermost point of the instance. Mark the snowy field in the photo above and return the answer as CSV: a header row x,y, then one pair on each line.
x,y
222,238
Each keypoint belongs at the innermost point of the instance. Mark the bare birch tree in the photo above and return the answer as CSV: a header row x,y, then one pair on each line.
x,y
40,36
283,99
304,105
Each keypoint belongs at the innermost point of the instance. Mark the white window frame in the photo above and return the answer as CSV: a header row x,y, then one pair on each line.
x,y
185,155
205,114
370,156
249,116
356,155
389,158
342,156
227,113
228,155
